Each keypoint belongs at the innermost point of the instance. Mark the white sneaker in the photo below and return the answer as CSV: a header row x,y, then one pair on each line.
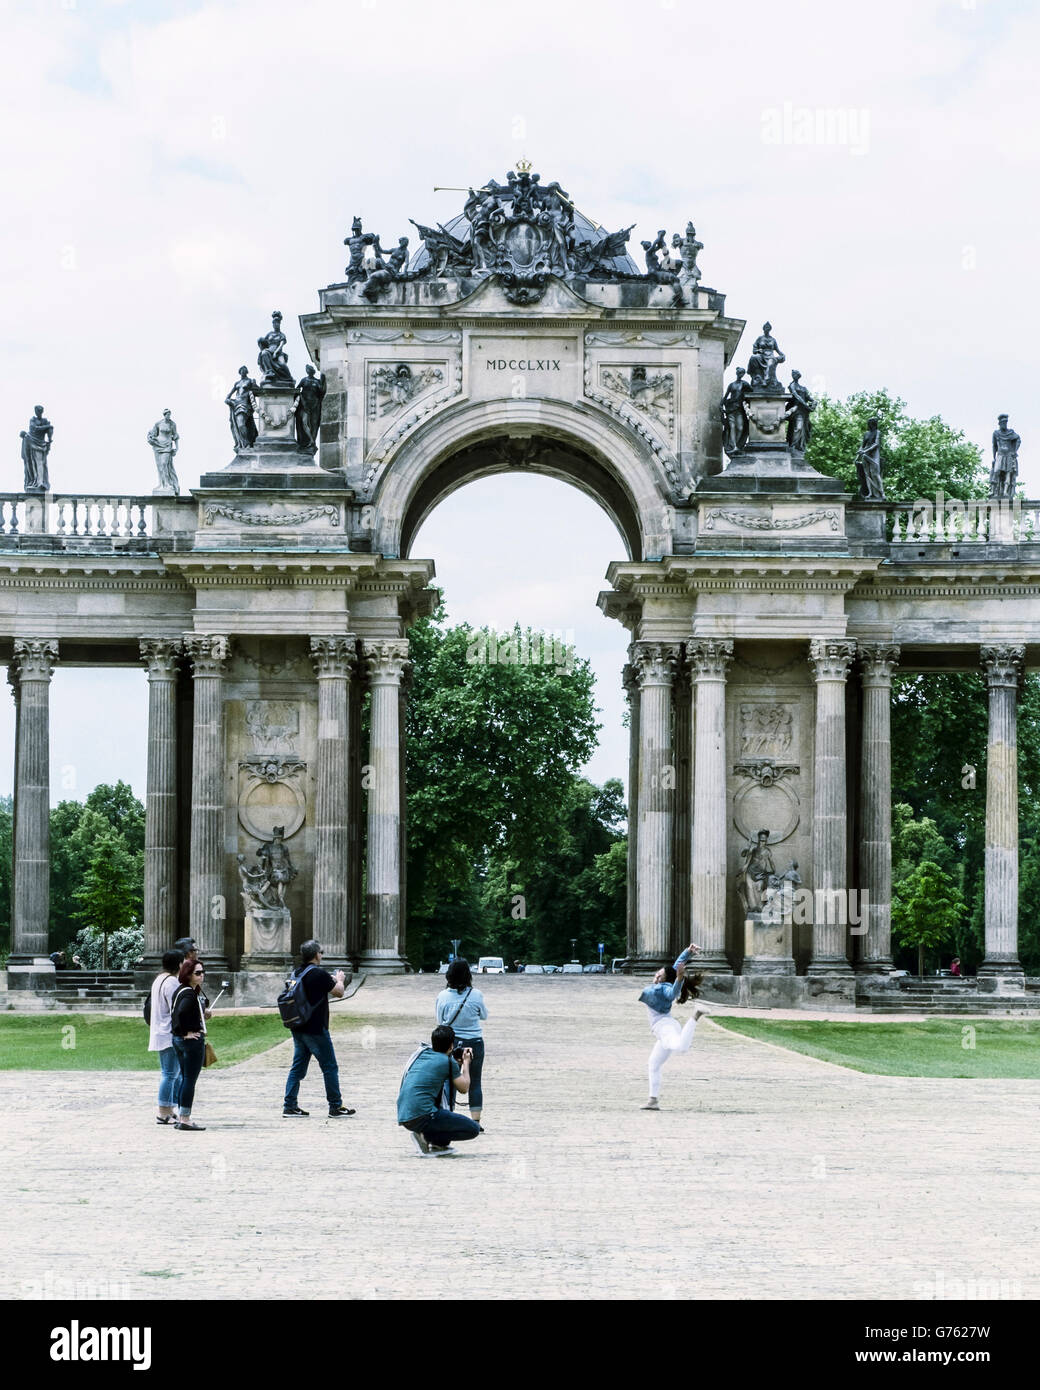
x,y
420,1143
701,1011
651,1104
441,1150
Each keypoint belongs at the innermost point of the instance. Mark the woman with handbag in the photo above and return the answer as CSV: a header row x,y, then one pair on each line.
x,y
462,1007
189,1012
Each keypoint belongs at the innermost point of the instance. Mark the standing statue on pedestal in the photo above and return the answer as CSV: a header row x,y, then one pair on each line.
x,y
765,358
734,415
311,393
165,441
868,464
239,401
754,876
688,246
799,425
274,856
36,445
1003,476
356,242
273,360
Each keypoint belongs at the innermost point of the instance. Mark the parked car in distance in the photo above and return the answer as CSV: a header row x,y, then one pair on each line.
x,y
617,965
491,965
595,969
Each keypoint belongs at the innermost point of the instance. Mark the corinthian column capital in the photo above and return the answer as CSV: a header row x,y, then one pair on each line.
x,y
35,658
334,656
207,652
161,655
1003,665
878,661
831,658
709,658
385,661
654,662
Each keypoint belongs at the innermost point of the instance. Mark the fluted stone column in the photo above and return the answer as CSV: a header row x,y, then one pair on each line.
x,y
709,660
630,680
334,661
207,910
878,662
12,681
1003,667
385,662
655,668
34,661
160,818
355,813
831,660
682,731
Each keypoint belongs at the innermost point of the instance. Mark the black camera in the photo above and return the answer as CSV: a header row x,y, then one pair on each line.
x,y
456,1052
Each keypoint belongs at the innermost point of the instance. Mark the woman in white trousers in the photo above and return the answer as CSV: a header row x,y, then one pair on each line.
x,y
670,984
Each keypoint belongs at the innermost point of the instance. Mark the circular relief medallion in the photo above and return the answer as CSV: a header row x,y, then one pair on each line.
x,y
267,804
774,808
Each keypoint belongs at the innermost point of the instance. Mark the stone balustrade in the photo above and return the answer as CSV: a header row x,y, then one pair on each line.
x,y
977,521
93,518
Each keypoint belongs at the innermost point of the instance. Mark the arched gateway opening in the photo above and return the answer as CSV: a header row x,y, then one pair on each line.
x,y
766,611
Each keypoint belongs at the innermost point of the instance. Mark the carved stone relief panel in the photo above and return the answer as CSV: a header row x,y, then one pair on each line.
x,y
652,390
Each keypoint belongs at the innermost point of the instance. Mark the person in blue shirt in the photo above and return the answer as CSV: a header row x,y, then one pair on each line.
x,y
462,1007
420,1106
670,984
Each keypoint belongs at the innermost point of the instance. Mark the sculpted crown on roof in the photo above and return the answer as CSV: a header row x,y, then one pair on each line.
x,y
523,232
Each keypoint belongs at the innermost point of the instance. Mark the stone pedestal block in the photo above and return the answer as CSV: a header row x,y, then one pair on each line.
x,y
268,938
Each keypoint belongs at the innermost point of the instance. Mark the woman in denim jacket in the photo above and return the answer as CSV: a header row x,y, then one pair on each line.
x,y
670,984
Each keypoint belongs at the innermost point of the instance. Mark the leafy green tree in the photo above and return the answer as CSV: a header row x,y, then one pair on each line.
x,y
75,829
918,457
107,892
568,893
122,810
492,751
927,909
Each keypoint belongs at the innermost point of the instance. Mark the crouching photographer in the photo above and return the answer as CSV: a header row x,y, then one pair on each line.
x,y
430,1076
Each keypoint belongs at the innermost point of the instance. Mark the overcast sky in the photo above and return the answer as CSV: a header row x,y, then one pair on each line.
x,y
172,172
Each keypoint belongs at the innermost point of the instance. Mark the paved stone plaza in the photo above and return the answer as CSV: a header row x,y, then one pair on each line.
x,y
765,1175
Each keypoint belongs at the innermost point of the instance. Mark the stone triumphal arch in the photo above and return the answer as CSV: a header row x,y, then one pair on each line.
x,y
767,610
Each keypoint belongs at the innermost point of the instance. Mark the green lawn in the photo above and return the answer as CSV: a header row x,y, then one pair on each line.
x,y
104,1042
993,1048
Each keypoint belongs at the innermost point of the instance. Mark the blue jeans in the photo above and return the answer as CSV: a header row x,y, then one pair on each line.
x,y
443,1126
191,1053
170,1078
306,1046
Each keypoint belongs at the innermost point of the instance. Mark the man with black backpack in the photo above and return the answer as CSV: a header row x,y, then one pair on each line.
x,y
305,1009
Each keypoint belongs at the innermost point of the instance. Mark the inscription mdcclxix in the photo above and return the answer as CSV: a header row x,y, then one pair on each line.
x,y
523,364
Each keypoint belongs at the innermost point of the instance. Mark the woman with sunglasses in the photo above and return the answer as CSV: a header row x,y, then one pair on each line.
x,y
189,1012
